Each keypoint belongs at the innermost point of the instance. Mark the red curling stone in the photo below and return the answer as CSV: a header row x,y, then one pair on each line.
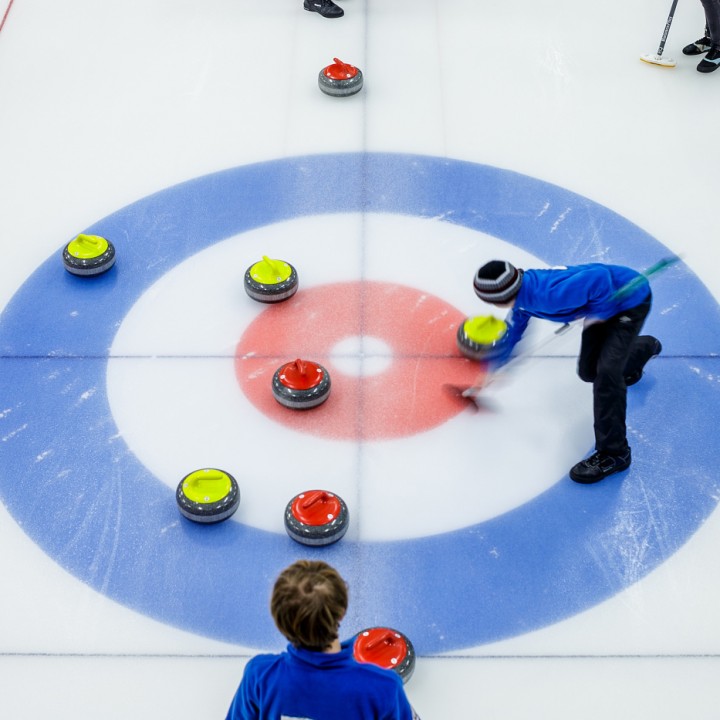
x,y
316,517
340,79
301,384
386,647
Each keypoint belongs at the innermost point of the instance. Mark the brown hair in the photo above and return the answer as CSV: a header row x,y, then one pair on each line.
x,y
308,602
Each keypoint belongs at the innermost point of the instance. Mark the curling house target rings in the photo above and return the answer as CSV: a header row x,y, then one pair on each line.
x,y
404,399
48,399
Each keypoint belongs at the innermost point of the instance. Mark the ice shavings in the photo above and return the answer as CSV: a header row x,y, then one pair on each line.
x,y
560,219
15,432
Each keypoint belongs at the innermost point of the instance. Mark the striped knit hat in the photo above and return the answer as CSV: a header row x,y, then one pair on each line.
x,y
497,282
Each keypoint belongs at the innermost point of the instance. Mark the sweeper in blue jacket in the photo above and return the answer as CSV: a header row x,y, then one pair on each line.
x,y
614,301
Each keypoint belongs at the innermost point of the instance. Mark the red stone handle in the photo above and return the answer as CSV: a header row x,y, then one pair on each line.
x,y
320,496
387,639
344,66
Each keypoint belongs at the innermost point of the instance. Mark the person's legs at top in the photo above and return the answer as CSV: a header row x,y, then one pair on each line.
x,y
711,61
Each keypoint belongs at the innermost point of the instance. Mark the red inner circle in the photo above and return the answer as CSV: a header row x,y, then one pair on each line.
x,y
380,646
407,398
316,507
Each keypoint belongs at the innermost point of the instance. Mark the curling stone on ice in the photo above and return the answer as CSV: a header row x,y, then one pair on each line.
x,y
301,384
316,517
388,648
271,281
340,79
208,495
88,255
479,338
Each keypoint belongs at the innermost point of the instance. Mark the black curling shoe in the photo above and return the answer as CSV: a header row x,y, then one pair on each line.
x,y
599,466
711,61
698,47
326,8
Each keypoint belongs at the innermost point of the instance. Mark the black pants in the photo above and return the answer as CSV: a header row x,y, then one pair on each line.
x,y
712,19
611,351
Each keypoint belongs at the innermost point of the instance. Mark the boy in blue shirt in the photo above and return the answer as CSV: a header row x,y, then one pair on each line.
x,y
614,301
317,678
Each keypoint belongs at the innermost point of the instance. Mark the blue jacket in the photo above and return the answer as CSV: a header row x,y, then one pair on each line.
x,y
311,685
567,294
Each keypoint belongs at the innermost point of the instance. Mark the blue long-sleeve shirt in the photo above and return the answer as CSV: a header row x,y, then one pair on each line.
x,y
301,683
567,294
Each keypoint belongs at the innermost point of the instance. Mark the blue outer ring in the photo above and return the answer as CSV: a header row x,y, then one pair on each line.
x,y
80,493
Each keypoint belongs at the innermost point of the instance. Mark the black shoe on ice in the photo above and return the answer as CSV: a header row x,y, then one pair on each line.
x,y
327,8
698,47
711,61
599,466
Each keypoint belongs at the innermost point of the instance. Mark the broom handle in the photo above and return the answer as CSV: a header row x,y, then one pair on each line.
x,y
659,266
667,27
